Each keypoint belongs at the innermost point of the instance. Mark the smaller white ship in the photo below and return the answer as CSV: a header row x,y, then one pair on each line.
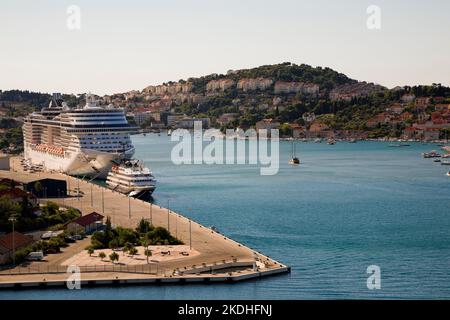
x,y
131,178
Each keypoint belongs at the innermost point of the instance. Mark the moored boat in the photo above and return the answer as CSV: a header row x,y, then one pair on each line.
x,y
431,154
131,178
294,160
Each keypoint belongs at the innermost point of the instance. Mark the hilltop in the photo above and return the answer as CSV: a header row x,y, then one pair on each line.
x,y
282,91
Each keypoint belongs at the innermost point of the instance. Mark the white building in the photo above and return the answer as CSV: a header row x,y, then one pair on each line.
x,y
141,117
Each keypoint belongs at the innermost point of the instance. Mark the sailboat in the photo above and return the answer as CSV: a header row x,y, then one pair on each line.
x,y
294,160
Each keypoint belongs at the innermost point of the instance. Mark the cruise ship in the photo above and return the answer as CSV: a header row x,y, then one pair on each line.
x,y
131,178
82,141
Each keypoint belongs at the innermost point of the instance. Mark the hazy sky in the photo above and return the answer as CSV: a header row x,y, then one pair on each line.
x,y
126,45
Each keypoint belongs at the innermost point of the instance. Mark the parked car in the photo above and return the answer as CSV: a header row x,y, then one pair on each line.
x,y
53,250
35,256
77,237
69,239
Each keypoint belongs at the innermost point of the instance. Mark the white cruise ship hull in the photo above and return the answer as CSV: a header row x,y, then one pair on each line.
x,y
85,162
132,191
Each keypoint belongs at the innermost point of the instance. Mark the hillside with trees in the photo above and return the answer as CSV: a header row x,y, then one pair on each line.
x,y
283,92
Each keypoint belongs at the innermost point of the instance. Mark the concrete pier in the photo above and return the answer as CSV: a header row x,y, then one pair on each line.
x,y
218,259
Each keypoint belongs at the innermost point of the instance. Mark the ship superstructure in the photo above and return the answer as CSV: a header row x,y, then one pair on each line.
x,y
81,141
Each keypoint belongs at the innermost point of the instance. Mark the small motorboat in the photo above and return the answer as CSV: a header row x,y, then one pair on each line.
x,y
399,145
437,160
448,173
445,163
431,154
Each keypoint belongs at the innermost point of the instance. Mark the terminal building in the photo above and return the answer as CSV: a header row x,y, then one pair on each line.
x,y
47,188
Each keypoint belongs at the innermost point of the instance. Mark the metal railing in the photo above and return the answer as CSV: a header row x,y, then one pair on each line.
x,y
153,268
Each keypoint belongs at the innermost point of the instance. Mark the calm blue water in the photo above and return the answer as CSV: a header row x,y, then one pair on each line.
x,y
346,207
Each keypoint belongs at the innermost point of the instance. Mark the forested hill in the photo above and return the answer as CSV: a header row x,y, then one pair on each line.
x,y
326,78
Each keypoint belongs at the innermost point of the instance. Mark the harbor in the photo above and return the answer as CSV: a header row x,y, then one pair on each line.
x,y
218,257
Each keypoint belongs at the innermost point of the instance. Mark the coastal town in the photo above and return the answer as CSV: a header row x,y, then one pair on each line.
x,y
418,119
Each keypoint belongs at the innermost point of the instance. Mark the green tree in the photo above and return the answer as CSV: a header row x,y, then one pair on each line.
x,y
113,244
114,257
90,250
143,226
132,251
148,253
38,188
102,255
127,247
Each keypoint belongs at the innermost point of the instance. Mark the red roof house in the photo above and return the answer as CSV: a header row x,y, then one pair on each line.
x,y
87,223
11,241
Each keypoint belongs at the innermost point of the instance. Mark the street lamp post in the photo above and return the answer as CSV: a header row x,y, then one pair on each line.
x,y
151,213
113,209
176,226
13,220
103,201
129,207
168,215
190,234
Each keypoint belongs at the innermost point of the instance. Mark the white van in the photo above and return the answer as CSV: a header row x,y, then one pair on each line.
x,y
35,256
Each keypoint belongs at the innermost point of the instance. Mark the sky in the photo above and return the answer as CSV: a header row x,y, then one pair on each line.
x,y
128,45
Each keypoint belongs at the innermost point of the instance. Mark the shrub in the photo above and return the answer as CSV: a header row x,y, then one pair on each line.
x,y
90,250
114,257
132,251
